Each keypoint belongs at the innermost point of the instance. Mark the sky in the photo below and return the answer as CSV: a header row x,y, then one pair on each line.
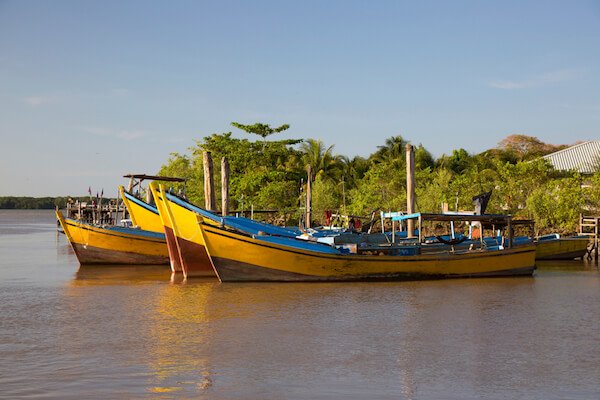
x,y
93,90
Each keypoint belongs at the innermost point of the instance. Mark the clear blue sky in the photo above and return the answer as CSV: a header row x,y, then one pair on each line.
x,y
91,90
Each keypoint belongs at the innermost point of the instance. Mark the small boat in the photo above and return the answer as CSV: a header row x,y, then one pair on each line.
x,y
180,219
113,244
142,215
146,216
184,240
237,255
555,247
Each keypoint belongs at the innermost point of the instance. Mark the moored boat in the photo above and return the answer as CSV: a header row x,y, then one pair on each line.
x,y
114,245
239,256
184,240
554,247
146,216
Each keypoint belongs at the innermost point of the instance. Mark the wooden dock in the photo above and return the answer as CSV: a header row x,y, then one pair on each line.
x,y
91,212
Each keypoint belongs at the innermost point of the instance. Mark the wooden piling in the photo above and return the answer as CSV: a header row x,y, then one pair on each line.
x,y
308,196
410,188
224,186
209,182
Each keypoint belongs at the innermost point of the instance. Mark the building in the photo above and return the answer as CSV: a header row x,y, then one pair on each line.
x,y
583,158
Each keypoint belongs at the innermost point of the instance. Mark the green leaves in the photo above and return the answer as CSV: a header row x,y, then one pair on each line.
x,y
267,175
262,130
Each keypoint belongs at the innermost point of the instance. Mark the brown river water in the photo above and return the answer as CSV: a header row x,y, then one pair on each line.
x,y
135,332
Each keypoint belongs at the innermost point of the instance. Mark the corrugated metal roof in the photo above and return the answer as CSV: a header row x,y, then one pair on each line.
x,y
583,157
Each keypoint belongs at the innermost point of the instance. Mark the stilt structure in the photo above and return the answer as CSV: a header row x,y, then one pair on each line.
x,y
589,225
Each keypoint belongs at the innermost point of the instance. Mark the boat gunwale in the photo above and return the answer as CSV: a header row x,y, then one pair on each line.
x,y
139,202
108,232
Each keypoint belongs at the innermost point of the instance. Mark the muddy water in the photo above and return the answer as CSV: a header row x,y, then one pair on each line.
x,y
137,332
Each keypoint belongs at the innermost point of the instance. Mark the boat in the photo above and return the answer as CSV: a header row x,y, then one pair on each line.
x,y
548,247
184,241
146,216
240,256
555,247
94,244
180,219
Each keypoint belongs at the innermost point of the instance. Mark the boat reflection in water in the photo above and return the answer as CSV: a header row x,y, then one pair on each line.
x,y
161,327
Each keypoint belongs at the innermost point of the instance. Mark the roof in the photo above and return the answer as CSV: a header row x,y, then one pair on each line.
x,y
154,178
583,158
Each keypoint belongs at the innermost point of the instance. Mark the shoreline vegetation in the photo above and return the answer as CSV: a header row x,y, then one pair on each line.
x,y
272,175
41,203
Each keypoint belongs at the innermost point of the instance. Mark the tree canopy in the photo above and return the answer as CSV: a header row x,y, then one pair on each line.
x,y
270,174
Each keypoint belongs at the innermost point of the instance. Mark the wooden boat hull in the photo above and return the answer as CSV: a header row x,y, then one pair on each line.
x,y
96,245
238,257
566,248
184,238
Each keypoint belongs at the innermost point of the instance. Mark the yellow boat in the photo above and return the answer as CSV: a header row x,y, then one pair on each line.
x,y
184,238
146,216
238,256
142,214
114,245
561,248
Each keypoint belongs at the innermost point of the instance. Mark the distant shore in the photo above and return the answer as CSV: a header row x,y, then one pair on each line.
x,y
39,203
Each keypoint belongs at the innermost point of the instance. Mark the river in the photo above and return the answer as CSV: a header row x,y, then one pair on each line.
x,y
69,332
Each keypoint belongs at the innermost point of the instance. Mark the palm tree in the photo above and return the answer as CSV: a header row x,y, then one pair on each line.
x,y
322,160
394,150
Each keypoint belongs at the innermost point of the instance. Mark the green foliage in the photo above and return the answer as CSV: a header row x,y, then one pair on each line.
x,y
268,175
382,186
262,130
262,174
432,189
557,204
326,195
323,162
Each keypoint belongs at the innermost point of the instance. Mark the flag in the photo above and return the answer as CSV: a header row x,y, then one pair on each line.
x,y
102,193
90,190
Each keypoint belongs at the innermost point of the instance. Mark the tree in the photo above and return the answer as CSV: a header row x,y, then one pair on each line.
x,y
458,162
393,150
262,130
322,160
527,147
558,203
423,158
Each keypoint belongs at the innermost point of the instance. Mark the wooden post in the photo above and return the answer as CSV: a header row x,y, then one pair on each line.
x,y
224,186
596,239
510,232
308,196
410,189
209,182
